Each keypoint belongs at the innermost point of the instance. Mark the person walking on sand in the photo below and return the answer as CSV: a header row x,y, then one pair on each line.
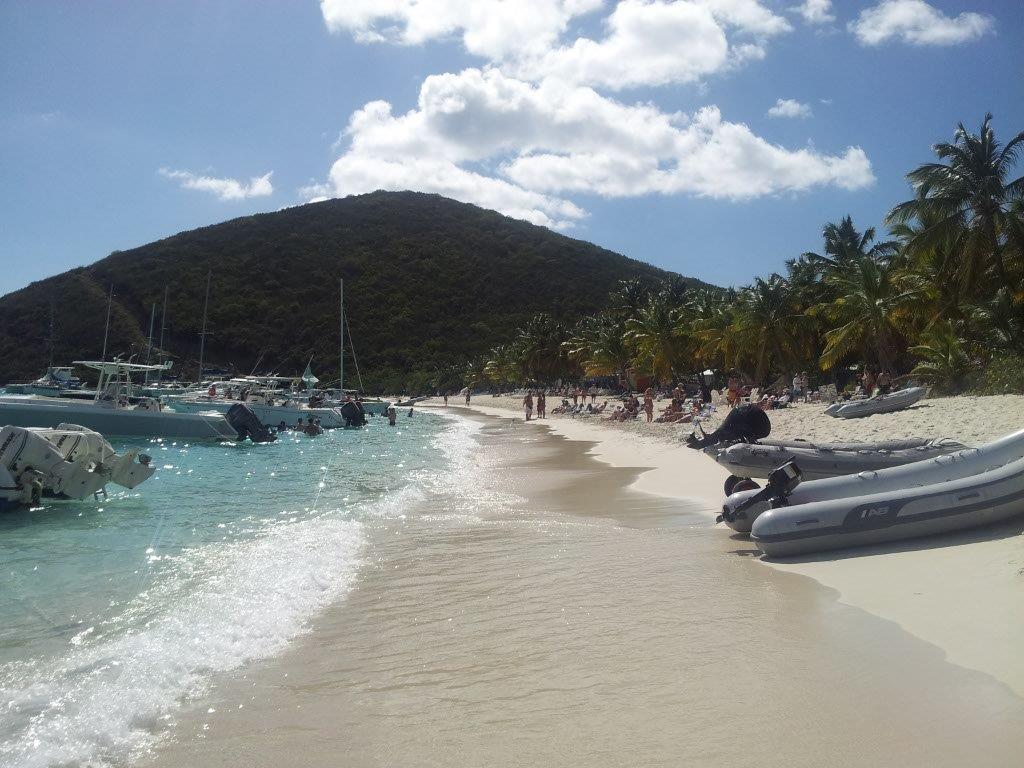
x,y
446,398
575,396
542,405
528,404
467,395
649,404
593,394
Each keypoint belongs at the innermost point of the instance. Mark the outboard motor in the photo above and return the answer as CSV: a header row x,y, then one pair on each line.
x,y
781,483
353,414
746,422
246,424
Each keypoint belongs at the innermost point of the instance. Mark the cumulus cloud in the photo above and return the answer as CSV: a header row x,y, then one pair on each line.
x,y
225,189
815,11
790,108
520,148
646,42
918,23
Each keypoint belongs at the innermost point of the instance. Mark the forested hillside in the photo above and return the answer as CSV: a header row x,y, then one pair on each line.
x,y
429,283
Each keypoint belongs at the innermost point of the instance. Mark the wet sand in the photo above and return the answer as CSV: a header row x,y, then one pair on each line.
x,y
570,620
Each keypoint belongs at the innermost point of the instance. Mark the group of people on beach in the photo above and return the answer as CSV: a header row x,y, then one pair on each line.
x,y
541,403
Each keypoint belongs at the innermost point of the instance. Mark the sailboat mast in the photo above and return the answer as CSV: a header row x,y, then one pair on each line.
x,y
53,339
202,336
163,327
149,346
106,330
341,349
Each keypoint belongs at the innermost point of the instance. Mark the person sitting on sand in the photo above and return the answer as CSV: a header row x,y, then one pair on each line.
x,y
884,382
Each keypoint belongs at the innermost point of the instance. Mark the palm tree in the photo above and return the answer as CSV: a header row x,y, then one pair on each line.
x,y
654,332
966,198
844,245
944,363
475,372
863,314
503,365
767,325
629,297
540,343
599,344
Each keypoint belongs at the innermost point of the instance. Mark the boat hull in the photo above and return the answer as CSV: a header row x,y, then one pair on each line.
x,y
897,401
114,422
896,515
271,415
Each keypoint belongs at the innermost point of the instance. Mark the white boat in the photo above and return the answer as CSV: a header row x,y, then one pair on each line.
x,y
115,411
741,514
896,401
56,380
69,461
262,395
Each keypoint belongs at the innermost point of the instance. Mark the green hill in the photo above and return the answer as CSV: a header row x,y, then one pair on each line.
x,y
429,282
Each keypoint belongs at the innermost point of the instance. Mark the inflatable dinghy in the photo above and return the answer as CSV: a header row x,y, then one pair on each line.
x,y
892,515
740,516
897,401
821,460
69,462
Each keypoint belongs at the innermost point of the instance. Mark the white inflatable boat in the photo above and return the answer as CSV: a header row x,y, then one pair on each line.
x,y
897,401
821,460
69,461
953,466
892,515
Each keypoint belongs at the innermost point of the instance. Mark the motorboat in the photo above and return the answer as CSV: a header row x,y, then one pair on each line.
x,y
115,410
265,396
68,461
56,381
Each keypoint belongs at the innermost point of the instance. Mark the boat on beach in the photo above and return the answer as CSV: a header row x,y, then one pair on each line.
x,y
896,401
962,489
115,410
821,460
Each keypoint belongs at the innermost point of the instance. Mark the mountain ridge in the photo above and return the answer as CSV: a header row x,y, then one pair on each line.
x,y
429,282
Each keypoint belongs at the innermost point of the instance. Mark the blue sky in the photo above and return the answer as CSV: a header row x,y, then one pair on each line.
x,y
642,126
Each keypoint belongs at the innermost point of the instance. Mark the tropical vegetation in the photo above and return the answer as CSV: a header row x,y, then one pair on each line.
x,y
940,299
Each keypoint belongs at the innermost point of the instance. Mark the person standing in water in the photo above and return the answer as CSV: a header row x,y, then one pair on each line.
x,y
528,404
392,415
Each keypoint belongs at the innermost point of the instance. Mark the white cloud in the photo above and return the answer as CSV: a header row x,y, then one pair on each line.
x,y
790,108
918,23
225,189
815,11
520,148
647,42
493,29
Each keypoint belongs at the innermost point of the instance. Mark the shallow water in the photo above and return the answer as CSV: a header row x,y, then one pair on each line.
x,y
490,627
112,612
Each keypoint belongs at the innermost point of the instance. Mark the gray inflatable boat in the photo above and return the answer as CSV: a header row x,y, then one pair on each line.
x,y
821,460
739,515
892,515
897,401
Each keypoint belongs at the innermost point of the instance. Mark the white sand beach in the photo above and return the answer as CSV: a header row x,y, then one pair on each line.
x,y
960,592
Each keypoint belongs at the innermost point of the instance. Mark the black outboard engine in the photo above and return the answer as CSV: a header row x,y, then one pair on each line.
x,y
748,423
246,424
353,413
781,482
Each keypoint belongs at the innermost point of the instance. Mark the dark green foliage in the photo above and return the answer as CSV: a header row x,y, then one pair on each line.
x,y
429,283
1003,374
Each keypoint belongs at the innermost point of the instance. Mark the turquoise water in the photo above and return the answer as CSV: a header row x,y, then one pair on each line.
x,y
112,612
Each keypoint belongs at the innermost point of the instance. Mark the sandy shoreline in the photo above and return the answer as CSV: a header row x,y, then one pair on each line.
x,y
961,592
553,614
